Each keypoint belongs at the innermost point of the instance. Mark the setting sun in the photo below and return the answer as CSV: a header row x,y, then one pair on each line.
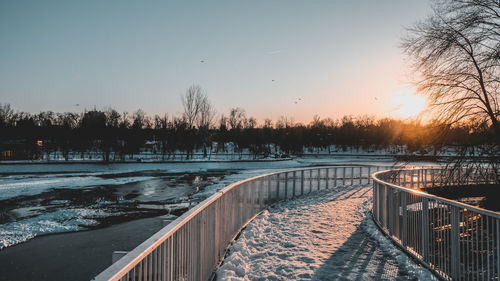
x,y
407,105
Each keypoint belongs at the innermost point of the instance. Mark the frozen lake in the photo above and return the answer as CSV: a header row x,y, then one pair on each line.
x,y
40,199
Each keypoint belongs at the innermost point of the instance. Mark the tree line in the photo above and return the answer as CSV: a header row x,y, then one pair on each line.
x,y
118,136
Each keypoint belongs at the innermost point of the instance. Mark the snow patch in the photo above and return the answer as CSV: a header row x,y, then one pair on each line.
x,y
54,222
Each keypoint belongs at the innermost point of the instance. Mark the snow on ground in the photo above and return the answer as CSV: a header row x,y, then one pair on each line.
x,y
326,235
53,222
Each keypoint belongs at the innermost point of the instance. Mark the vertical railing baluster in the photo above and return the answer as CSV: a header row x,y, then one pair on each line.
x,y
302,182
497,222
335,176
352,176
404,212
269,191
294,183
318,178
476,246
343,176
368,177
310,180
327,175
286,185
277,187
425,228
455,242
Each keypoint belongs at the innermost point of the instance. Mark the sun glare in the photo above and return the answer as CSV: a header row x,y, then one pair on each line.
x,y
408,105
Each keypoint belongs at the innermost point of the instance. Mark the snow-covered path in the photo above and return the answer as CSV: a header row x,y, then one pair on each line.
x,y
326,235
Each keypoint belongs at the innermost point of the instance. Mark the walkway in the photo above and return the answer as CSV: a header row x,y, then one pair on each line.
x,y
326,235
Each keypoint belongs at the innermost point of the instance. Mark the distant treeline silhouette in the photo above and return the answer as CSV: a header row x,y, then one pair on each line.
x,y
31,136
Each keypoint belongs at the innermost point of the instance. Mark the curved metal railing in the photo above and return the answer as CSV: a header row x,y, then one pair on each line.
x,y
455,240
192,246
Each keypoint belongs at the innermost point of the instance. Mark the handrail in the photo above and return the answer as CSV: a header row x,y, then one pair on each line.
x,y
192,246
455,240
435,197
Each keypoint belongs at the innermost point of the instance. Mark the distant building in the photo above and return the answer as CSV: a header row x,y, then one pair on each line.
x,y
20,149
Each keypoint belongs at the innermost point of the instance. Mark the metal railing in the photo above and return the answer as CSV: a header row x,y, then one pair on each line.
x,y
192,246
455,240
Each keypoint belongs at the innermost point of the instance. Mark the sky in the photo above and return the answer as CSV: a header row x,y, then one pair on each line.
x,y
270,57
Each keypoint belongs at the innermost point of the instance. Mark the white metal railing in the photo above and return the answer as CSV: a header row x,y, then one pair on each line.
x,y
455,240
192,246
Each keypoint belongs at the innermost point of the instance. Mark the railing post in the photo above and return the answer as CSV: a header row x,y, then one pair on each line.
x,y
261,193
335,176
360,175
327,176
343,177
294,182
404,218
425,229
278,187
455,242
352,175
302,182
390,210
319,178
383,205
269,190
497,222
375,201
310,180
369,174
286,185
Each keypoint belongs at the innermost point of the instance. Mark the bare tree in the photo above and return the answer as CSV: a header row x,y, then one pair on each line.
x,y
140,119
6,115
191,101
268,123
456,52
206,114
284,122
237,118
113,118
251,123
198,109
125,120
